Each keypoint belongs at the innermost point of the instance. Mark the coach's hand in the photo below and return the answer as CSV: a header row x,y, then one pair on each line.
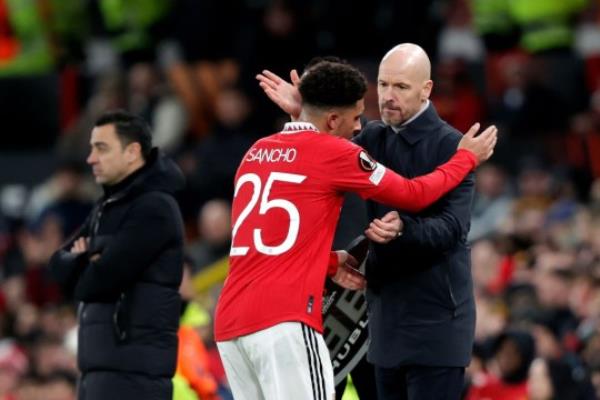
x,y
347,276
385,229
282,93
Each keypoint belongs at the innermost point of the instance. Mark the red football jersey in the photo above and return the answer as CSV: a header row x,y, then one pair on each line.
x,y
288,196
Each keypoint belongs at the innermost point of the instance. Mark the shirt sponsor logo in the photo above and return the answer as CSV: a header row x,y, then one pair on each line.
x,y
287,155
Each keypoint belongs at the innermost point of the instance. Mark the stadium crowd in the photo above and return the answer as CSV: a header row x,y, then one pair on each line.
x,y
188,67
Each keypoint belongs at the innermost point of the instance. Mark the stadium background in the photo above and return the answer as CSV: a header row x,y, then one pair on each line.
x,y
530,66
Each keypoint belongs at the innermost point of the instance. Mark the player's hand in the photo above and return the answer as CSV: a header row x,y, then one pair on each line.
x,y
482,145
286,95
79,246
385,229
347,276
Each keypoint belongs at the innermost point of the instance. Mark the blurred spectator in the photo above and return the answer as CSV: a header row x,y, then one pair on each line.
x,y
596,379
527,96
13,364
212,165
49,356
458,39
491,319
193,379
65,198
59,385
587,44
554,380
26,324
577,150
151,99
214,226
506,379
455,97
492,202
553,289
211,57
109,93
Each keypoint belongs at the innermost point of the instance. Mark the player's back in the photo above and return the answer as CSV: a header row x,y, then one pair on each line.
x,y
284,214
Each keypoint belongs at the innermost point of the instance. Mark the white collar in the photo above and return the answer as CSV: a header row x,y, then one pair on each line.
x,y
421,111
298,126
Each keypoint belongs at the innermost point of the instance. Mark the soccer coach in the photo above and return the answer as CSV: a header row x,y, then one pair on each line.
x,y
125,266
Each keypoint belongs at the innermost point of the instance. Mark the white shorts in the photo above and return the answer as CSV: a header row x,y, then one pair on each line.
x,y
287,361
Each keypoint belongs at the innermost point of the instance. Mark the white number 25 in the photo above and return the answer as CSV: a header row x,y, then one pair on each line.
x,y
266,205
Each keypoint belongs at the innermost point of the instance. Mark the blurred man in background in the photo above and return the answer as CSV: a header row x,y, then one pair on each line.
x,y
125,266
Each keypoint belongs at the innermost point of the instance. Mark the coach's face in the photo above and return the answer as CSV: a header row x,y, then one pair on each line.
x,y
402,88
110,160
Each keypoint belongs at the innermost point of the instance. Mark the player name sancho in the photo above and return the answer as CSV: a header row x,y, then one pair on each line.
x,y
275,155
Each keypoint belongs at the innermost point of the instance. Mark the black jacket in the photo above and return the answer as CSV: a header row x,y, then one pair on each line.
x,y
129,310
420,291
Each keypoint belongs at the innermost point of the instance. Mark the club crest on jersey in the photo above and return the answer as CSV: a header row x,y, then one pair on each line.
x,y
366,162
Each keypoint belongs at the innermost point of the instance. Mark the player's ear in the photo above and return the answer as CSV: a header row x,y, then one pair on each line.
x,y
332,121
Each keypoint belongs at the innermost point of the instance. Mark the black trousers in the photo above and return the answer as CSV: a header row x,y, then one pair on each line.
x,y
419,383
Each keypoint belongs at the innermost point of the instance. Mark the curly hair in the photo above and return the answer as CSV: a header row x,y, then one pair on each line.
x,y
332,84
319,59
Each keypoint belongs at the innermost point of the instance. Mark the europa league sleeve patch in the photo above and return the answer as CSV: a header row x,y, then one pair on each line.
x,y
366,162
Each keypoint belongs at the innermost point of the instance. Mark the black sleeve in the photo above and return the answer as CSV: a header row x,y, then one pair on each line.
x,y
148,228
444,229
65,266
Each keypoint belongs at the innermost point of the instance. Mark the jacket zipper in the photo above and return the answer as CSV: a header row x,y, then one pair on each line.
x,y
100,211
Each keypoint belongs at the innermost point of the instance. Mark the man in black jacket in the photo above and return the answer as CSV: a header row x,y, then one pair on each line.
x,y
420,294
420,291
125,266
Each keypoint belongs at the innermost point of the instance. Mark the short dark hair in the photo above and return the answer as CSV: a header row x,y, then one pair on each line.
x,y
319,59
332,84
130,128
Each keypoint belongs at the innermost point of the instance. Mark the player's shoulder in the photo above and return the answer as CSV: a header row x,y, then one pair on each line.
x,y
328,141
266,139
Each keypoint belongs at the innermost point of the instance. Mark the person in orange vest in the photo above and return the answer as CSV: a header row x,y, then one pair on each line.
x,y
193,375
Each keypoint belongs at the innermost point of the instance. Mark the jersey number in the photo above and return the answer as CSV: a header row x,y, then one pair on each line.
x,y
266,205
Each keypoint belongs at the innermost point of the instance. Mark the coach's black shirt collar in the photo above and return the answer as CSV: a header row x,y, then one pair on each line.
x,y
418,128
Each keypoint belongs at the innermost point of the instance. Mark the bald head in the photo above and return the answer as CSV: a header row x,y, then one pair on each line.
x,y
411,57
404,83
